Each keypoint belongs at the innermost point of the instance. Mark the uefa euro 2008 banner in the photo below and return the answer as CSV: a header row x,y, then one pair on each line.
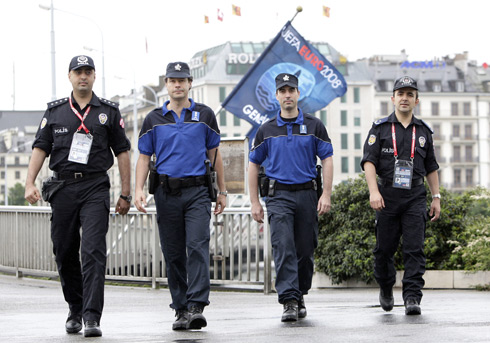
x,y
254,97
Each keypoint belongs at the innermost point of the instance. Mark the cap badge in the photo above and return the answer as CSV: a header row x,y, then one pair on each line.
x,y
407,81
285,78
82,59
178,67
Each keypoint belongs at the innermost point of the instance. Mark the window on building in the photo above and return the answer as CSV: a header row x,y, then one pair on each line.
x,y
437,131
17,175
468,131
236,121
343,98
357,141
2,161
436,87
323,117
222,113
457,177
357,165
357,121
343,118
248,48
456,130
437,151
3,175
456,153
258,48
434,108
384,108
454,108
236,47
236,135
357,95
468,153
223,135
345,164
469,177
467,108
459,86
343,141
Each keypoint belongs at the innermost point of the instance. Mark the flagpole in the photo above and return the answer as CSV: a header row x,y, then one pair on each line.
x,y
216,112
298,9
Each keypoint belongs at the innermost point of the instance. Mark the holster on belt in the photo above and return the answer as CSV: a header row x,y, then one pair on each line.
x,y
50,187
153,179
263,183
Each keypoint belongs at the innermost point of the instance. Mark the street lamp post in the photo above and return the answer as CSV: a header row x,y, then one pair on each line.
x,y
53,66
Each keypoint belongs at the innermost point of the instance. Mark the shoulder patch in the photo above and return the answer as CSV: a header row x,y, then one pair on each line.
x,y
110,103
428,126
381,121
57,102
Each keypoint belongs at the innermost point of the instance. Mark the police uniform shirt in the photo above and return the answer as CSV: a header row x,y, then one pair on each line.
x,y
180,144
59,124
378,148
291,147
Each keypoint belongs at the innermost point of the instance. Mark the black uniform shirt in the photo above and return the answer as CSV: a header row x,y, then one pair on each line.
x,y
59,123
378,148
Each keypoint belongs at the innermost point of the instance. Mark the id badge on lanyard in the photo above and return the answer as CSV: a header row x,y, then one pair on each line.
x,y
403,174
81,142
80,147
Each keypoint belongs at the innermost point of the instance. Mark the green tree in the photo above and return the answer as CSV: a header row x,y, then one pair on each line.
x,y
16,195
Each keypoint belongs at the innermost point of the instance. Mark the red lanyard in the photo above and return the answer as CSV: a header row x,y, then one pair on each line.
x,y
82,125
393,136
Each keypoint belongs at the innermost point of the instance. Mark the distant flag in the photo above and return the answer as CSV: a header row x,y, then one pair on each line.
x,y
236,10
220,15
326,11
253,98
206,19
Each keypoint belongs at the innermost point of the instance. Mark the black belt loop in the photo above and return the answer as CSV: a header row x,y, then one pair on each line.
x,y
389,182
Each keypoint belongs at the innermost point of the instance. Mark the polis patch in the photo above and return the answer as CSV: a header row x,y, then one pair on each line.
x,y
422,141
102,118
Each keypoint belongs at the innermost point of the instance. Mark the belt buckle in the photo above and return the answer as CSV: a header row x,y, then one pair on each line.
x,y
78,175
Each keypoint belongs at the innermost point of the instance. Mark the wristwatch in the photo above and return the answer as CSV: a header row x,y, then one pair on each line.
x,y
225,193
128,198
436,196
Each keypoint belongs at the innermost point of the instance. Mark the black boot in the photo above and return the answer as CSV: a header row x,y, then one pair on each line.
x,y
181,321
196,319
412,307
290,313
301,308
386,299
73,323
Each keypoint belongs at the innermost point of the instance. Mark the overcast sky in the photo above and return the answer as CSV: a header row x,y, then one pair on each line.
x,y
175,30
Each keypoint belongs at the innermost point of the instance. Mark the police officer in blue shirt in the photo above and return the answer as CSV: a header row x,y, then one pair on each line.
x,y
182,134
400,150
80,134
291,142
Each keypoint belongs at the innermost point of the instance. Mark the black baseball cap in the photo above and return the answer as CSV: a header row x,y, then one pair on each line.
x,y
81,61
178,70
285,79
405,82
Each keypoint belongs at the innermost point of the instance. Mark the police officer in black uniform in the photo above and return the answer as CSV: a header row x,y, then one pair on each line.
x,y
79,133
400,150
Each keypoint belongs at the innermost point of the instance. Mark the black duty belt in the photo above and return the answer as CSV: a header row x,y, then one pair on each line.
x,y
389,182
295,187
78,176
175,183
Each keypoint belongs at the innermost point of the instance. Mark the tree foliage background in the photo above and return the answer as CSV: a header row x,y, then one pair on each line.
x,y
458,240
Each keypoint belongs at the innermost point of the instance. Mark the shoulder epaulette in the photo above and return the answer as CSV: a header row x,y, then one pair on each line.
x,y
423,122
110,103
381,121
57,102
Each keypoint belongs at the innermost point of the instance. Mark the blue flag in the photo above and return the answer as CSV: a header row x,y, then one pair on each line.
x,y
254,97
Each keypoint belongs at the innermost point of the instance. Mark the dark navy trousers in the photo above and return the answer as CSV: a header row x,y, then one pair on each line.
x,y
183,224
293,222
84,204
405,215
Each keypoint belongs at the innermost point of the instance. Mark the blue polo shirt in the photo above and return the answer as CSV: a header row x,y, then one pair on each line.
x,y
180,144
291,147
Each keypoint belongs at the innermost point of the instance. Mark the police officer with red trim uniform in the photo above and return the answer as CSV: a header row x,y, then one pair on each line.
x,y
80,134
400,150
291,143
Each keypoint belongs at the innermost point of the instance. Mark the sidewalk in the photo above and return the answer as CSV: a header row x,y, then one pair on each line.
x,y
34,311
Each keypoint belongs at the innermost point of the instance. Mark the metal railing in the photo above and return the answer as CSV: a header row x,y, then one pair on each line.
x,y
240,248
